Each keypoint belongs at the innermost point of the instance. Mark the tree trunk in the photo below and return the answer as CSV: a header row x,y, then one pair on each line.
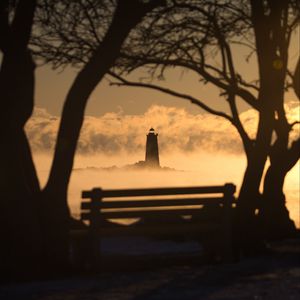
x,y
270,49
20,249
248,238
274,214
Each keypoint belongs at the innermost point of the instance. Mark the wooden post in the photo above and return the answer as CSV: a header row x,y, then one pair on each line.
x,y
96,198
227,251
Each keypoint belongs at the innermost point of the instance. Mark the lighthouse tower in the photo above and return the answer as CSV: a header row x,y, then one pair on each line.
x,y
152,156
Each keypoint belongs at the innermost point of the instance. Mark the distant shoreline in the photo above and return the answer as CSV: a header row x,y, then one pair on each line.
x,y
133,167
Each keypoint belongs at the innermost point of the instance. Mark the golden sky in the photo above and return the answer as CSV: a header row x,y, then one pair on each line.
x,y
52,87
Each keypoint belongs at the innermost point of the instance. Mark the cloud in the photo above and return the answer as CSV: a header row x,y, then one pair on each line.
x,y
41,130
116,133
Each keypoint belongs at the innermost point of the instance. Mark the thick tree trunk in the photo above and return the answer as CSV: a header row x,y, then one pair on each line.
x,y
248,238
21,246
248,231
20,249
274,214
271,48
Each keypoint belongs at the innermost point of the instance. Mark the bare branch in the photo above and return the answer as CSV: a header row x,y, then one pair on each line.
x,y
242,82
124,82
293,124
247,142
248,97
293,154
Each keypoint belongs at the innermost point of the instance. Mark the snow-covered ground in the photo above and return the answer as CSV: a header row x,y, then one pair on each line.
x,y
142,246
272,277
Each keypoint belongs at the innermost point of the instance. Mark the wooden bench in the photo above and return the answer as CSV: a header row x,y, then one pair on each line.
x,y
195,210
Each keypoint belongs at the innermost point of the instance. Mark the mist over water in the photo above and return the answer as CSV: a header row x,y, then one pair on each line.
x,y
195,169
203,150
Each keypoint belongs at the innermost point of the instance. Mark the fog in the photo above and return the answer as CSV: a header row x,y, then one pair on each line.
x,y
203,149
189,170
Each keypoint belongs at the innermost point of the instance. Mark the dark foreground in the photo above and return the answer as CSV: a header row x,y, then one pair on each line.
x,y
274,276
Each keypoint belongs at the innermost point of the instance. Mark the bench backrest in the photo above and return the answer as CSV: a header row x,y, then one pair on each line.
x,y
126,204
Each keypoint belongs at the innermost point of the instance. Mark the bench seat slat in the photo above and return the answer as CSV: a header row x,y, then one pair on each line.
x,y
152,203
155,191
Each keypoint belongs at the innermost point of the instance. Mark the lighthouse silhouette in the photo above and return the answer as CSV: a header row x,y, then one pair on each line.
x,y
152,156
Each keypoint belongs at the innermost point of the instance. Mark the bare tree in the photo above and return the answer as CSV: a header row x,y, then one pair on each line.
x,y
201,36
35,222
19,220
62,23
284,154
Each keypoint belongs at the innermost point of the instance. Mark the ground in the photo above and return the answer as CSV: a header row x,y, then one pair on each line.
x,y
270,277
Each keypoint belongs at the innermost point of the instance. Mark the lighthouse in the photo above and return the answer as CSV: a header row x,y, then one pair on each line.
x,y
152,156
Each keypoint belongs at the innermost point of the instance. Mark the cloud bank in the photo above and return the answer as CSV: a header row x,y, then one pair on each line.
x,y
116,133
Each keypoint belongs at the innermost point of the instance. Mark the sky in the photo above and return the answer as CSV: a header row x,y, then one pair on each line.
x,y
107,98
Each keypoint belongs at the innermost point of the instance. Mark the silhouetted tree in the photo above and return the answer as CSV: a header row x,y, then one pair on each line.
x,y
284,154
48,216
19,220
114,21
201,36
